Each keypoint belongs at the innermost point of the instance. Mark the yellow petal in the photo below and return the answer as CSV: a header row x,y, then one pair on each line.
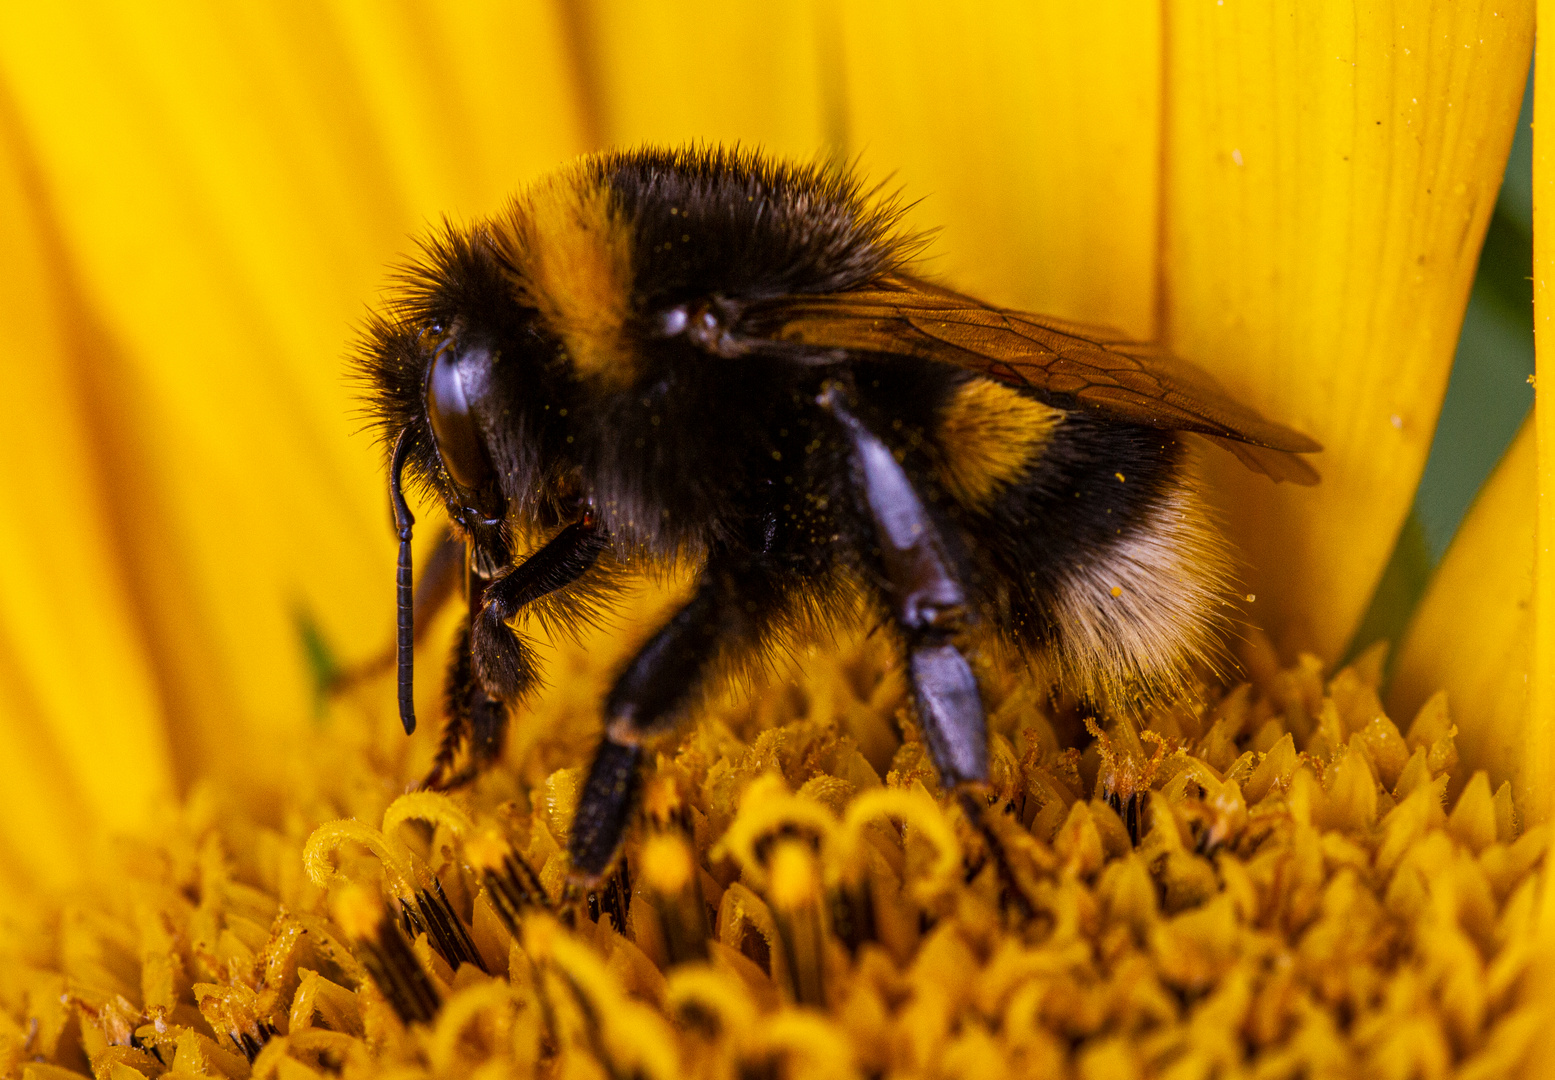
x,y
80,715
230,183
1330,172
1029,131
454,105
1031,134
677,71
1471,633
1540,741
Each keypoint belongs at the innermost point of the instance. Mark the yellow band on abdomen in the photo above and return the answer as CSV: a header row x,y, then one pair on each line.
x,y
989,435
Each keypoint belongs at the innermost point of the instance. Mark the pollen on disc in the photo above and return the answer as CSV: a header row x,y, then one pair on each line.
x,y
358,911
486,850
666,863
793,875
1117,590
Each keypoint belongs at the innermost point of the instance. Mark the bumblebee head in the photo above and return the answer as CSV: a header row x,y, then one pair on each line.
x,y
510,341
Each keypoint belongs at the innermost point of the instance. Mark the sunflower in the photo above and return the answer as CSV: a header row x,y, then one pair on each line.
x,y
210,868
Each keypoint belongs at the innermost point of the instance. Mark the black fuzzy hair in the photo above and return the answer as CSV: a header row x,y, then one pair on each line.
x,y
729,220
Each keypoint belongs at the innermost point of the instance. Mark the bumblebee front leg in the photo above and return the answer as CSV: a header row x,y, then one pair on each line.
x,y
731,608
492,666
471,716
928,604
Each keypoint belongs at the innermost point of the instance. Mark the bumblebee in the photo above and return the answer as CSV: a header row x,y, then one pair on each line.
x,y
710,356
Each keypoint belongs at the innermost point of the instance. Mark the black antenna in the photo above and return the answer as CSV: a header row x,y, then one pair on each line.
x,y
404,589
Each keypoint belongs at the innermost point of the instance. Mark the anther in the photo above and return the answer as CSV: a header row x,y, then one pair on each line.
x,y
510,881
434,916
386,955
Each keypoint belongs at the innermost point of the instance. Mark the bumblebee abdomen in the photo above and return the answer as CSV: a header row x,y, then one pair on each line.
x,y
1087,539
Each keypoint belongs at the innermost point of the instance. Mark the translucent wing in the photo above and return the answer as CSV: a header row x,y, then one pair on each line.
x,y
1067,364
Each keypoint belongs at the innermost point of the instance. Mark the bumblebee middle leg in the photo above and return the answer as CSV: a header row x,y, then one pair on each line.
x,y
731,608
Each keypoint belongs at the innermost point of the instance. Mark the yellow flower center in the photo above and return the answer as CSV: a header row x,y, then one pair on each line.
x,y
1266,884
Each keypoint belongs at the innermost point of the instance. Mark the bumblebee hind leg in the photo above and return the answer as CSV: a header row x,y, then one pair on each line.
x,y
928,603
605,807
950,711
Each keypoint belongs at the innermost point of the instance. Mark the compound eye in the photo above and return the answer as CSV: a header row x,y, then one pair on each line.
x,y
458,380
